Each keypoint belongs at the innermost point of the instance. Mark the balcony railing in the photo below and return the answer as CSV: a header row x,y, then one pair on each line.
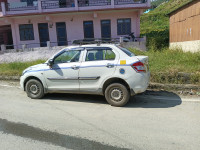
x,y
56,4
21,6
122,2
84,3
52,4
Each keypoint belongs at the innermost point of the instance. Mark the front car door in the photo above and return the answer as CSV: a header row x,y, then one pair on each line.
x,y
98,65
63,76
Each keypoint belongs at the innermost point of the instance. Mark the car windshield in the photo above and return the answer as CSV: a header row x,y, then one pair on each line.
x,y
129,53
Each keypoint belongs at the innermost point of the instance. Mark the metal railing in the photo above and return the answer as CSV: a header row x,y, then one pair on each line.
x,y
122,2
30,46
51,45
85,3
96,41
52,4
21,8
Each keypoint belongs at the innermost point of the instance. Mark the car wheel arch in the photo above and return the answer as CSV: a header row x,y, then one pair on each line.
x,y
114,80
32,77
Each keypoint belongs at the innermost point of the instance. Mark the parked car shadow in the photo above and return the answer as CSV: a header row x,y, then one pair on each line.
x,y
155,99
76,98
148,99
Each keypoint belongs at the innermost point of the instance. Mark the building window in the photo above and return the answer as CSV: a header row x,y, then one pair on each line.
x,y
123,26
29,2
26,32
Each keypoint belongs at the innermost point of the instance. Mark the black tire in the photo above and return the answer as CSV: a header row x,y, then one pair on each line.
x,y
117,94
34,89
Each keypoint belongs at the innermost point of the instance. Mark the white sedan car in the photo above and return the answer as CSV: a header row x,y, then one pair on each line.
x,y
104,69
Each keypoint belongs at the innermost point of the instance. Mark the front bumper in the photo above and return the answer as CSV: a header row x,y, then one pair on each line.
x,y
22,78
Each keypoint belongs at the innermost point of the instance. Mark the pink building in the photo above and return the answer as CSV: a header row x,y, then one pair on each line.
x,y
34,22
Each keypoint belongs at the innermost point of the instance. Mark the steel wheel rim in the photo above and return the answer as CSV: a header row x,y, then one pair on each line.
x,y
117,94
34,89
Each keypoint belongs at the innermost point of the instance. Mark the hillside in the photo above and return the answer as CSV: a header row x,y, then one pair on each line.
x,y
156,3
155,24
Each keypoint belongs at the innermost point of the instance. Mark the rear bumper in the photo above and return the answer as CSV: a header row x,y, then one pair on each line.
x,y
139,83
132,92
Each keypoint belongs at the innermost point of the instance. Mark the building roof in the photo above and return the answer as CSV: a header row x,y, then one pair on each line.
x,y
186,4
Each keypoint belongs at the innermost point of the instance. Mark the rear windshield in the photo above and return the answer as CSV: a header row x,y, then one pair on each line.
x,y
126,51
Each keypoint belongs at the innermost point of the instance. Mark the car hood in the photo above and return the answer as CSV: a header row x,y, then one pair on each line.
x,y
39,67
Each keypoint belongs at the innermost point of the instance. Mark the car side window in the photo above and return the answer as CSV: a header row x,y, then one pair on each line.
x,y
67,57
110,55
98,55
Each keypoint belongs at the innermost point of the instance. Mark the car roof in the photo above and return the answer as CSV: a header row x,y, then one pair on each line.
x,y
96,45
75,47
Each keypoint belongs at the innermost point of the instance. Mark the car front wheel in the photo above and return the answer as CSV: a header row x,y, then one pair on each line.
x,y
117,94
34,89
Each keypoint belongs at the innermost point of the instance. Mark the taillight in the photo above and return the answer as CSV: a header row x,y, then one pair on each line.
x,y
139,67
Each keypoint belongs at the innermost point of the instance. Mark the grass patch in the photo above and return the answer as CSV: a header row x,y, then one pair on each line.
x,y
16,68
173,66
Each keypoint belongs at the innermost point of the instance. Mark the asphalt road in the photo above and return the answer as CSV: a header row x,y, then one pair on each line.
x,y
152,121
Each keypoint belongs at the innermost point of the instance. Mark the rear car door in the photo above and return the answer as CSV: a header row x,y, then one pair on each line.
x,y
99,64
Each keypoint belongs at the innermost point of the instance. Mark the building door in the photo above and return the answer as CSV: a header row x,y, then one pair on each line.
x,y
105,29
6,36
61,33
43,34
88,29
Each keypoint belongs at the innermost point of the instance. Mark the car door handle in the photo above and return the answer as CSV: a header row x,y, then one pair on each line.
x,y
110,65
75,67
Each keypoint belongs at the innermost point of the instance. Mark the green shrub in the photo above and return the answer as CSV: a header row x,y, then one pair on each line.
x,y
157,40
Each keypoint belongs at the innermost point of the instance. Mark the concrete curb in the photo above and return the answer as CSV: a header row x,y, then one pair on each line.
x,y
174,86
11,78
160,86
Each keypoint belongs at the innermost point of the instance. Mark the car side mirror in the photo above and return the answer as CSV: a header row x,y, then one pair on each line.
x,y
50,63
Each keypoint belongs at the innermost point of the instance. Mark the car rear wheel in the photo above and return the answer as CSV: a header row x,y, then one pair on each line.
x,y
117,94
34,89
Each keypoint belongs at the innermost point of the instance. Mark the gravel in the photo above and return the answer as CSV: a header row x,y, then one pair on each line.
x,y
27,56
